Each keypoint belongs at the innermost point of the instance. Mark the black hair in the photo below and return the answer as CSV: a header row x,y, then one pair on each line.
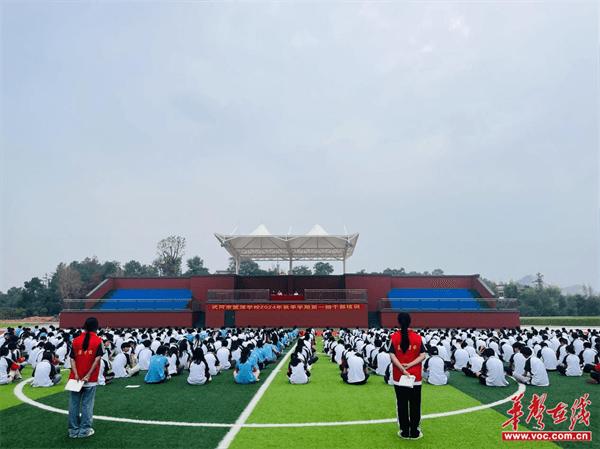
x,y
526,351
162,350
404,322
198,356
90,325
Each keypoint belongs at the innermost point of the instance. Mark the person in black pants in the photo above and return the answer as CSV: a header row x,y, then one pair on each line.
x,y
407,352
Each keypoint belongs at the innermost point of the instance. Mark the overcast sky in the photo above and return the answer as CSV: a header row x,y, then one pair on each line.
x,y
461,136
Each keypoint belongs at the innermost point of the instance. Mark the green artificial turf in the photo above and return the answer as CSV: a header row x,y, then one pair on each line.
x,y
560,321
8,399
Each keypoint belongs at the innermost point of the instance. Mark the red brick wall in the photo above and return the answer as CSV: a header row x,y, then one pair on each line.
x,y
125,319
337,318
455,319
377,287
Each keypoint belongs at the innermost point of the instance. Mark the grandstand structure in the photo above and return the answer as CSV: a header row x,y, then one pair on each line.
x,y
347,300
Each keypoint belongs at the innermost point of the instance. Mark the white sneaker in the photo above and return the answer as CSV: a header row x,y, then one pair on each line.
x,y
89,434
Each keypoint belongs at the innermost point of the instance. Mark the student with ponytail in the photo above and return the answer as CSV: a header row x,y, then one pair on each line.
x,y
85,356
407,352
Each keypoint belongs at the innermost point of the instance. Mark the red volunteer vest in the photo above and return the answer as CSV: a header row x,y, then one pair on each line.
x,y
413,351
85,359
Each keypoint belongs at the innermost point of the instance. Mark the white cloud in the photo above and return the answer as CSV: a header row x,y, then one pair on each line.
x,y
458,25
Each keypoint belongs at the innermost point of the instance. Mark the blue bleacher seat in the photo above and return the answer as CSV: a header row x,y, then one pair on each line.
x,y
146,299
433,299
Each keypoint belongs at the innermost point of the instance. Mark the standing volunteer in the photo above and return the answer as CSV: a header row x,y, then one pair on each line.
x,y
407,352
86,353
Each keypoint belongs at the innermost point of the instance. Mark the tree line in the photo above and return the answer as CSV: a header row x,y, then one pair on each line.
x,y
44,296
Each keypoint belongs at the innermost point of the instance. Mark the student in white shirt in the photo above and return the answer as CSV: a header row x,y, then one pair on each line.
x,y
125,363
224,355
571,364
382,361
297,370
6,374
460,357
199,374
588,357
145,355
46,374
517,363
213,363
434,369
535,372
548,356
354,369
173,357
492,372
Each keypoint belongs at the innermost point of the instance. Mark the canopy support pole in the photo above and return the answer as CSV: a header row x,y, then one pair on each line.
x,y
237,265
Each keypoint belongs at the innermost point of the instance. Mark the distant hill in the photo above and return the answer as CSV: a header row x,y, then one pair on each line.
x,y
577,289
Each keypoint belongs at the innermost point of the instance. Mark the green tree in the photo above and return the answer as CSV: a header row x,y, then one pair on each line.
x,y
394,271
437,272
322,269
196,267
170,254
301,270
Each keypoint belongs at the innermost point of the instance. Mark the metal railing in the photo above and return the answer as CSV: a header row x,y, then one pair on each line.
x,y
110,305
310,296
443,304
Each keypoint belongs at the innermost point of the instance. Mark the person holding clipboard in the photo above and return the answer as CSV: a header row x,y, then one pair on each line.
x,y
407,352
86,353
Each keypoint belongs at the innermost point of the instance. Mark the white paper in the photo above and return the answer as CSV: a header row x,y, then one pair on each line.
x,y
74,385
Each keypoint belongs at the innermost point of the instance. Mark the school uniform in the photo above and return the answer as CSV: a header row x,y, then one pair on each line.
x,y
548,356
199,374
156,369
211,361
244,373
538,373
119,365
223,354
356,370
461,358
298,374
434,371
5,376
382,361
570,366
144,357
494,373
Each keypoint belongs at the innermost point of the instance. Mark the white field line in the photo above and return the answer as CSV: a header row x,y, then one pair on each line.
x,y
229,436
18,391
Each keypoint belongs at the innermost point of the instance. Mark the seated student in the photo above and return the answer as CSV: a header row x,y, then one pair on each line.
x,y
245,371
125,363
212,361
158,367
224,355
46,374
492,371
381,361
7,375
145,355
269,353
387,377
174,366
535,372
185,354
354,369
105,375
570,366
588,357
434,369
517,361
474,366
199,374
460,357
236,351
548,356
297,371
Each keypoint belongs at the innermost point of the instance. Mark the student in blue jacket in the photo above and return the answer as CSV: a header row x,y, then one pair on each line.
x,y
157,370
245,372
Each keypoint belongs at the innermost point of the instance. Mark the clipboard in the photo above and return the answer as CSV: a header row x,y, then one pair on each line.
x,y
74,385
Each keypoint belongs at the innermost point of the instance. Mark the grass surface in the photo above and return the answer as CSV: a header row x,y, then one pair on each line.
x,y
325,398
561,320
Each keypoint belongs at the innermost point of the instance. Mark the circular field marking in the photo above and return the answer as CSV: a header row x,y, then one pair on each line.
x,y
18,391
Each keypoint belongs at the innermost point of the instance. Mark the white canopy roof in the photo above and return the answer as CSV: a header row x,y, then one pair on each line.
x,y
316,244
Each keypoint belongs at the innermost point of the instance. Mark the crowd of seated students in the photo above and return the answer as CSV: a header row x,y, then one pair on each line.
x,y
486,355
158,354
